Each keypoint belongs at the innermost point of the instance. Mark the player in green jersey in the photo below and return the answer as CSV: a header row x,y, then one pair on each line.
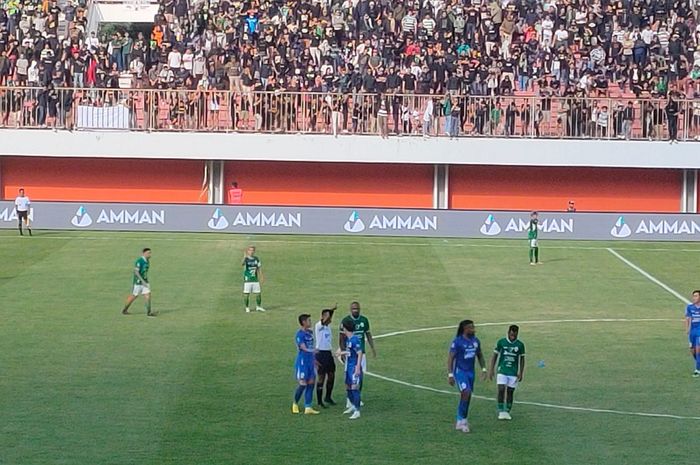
x,y
252,279
362,331
532,239
510,355
141,285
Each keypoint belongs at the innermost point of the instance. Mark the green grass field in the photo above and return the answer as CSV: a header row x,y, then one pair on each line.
x,y
205,383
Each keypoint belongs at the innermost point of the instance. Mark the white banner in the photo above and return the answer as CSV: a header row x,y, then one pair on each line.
x,y
117,117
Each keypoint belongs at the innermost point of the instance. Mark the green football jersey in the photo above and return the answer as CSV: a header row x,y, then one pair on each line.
x,y
509,353
251,266
361,327
532,229
142,264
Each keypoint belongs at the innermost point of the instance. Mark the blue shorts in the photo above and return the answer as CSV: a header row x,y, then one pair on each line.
x,y
350,377
694,339
464,380
305,372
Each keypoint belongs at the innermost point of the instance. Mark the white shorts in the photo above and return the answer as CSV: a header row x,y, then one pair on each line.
x,y
141,289
253,288
533,242
510,381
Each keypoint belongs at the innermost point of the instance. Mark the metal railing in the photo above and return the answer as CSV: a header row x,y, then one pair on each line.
x,y
355,113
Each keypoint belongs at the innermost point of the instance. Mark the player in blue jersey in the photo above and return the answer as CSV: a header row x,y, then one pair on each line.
x,y
465,348
305,366
692,327
353,367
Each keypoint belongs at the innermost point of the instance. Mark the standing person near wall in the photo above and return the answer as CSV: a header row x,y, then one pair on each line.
x,y
672,115
235,194
22,205
427,117
627,120
383,119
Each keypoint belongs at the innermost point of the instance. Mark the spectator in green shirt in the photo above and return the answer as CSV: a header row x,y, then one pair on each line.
x,y
127,46
496,114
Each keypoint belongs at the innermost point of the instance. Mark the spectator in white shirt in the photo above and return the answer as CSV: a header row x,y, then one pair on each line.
x,y
602,122
22,67
188,60
427,117
92,42
175,59
561,36
136,67
199,65
547,27
40,24
33,74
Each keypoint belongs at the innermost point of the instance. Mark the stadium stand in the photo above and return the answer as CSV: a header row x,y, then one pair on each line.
x,y
550,68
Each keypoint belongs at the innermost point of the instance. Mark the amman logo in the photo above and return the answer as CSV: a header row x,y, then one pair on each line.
x,y
354,224
490,227
621,229
82,218
218,221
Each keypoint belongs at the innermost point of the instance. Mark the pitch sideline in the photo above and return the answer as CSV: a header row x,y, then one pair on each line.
x,y
651,278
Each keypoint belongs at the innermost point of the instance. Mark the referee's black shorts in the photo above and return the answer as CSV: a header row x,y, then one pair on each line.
x,y
326,362
22,215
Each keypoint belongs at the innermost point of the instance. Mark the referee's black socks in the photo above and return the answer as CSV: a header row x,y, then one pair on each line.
x,y
330,381
319,393
20,230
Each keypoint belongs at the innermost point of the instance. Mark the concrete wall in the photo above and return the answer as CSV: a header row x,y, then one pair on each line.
x,y
351,149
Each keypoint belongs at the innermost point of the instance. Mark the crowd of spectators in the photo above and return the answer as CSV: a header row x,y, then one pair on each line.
x,y
576,49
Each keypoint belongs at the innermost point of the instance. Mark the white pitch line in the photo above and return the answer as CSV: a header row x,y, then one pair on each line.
x,y
239,236
538,404
524,402
665,287
530,322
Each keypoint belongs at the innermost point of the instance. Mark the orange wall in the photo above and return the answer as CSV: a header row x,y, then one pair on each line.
x,y
333,184
103,179
344,184
593,189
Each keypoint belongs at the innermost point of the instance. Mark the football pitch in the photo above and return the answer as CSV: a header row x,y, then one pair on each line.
x,y
608,377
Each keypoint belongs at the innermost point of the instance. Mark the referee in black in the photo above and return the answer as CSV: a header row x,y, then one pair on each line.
x,y
325,363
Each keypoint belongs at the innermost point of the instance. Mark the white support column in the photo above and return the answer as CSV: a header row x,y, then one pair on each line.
x,y
693,192
446,190
689,191
209,167
436,189
222,188
215,174
441,187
